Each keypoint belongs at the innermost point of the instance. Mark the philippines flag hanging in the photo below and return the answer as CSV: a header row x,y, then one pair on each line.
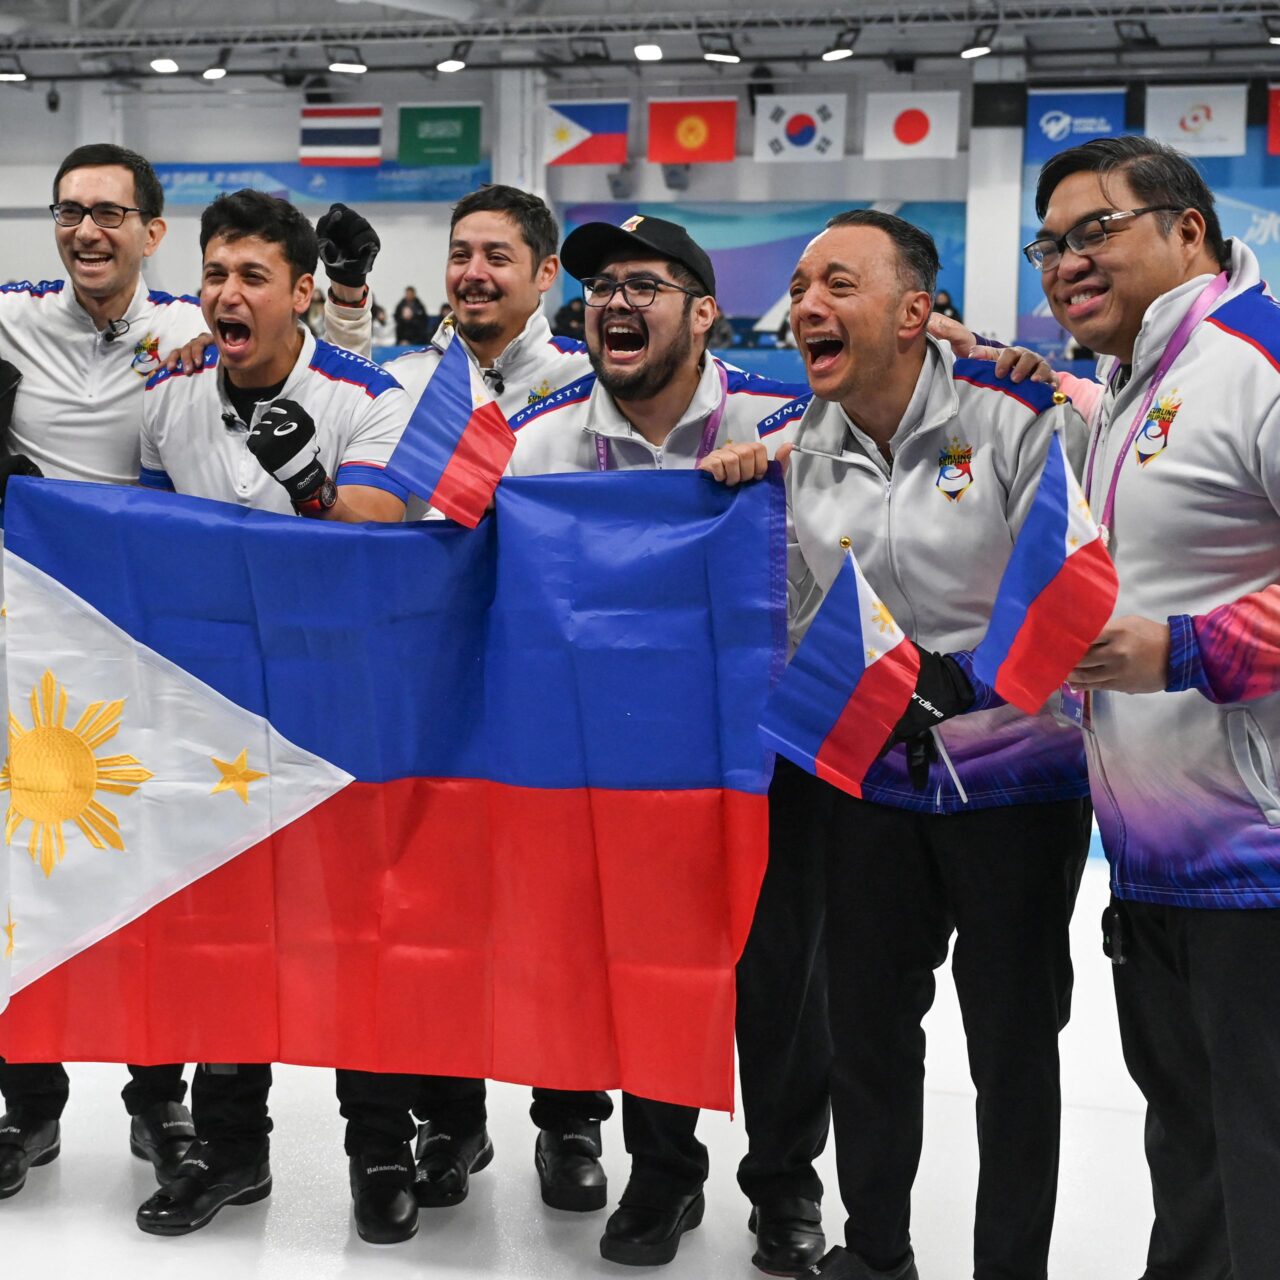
x,y
1057,593
587,132
846,686
389,797
457,442
346,137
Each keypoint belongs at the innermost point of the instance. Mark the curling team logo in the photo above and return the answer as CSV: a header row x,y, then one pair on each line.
x,y
955,469
1153,439
146,356
538,392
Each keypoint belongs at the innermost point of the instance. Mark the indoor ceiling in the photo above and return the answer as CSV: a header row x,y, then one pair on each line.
x,y
293,42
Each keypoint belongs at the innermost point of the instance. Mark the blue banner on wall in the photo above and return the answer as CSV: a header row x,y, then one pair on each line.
x,y
1056,119
305,184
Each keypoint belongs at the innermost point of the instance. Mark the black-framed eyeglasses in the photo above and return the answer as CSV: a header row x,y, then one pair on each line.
x,y
639,291
67,213
1085,237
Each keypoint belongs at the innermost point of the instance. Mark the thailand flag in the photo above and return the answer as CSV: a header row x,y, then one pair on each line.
x,y
587,132
457,442
846,686
1057,593
389,797
342,137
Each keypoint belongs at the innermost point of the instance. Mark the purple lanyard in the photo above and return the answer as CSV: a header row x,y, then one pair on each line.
x,y
1181,336
709,432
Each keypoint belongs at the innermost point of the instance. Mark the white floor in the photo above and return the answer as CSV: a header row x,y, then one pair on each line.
x,y
75,1217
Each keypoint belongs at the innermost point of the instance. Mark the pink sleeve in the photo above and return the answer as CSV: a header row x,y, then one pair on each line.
x,y
1084,393
1238,648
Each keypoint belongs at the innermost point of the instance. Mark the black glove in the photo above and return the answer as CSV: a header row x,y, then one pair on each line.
x,y
348,245
942,691
284,442
10,376
18,465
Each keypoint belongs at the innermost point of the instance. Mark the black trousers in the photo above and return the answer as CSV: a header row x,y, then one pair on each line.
x,y
1005,881
229,1107
1199,1004
784,1042
40,1089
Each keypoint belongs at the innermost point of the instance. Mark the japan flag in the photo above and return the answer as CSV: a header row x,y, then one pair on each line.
x,y
902,126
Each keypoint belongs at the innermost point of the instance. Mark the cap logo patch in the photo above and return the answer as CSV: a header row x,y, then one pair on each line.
x,y
633,222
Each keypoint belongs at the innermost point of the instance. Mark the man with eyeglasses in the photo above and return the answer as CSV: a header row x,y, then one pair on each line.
x,y
1182,689
85,347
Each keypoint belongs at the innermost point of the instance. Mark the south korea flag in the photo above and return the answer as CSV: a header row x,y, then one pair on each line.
x,y
800,126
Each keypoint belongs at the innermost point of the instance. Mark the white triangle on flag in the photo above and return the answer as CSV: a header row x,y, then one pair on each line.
x,y
140,771
563,135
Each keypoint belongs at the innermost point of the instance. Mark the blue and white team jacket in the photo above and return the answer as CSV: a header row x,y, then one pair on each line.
x,y
193,442
933,534
79,405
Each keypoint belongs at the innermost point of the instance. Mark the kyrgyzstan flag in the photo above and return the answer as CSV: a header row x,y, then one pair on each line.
x,y
457,442
398,798
1056,595
693,131
846,686
903,126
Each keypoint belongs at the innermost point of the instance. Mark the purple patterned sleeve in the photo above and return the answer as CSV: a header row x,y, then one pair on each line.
x,y
1232,653
984,695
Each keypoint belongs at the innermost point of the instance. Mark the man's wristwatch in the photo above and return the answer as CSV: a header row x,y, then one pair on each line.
x,y
320,500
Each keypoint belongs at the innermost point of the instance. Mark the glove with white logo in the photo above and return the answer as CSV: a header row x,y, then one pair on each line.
x,y
10,376
284,442
942,691
348,245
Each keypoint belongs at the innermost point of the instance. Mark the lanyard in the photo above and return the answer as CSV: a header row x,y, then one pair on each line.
x,y
709,432
1181,336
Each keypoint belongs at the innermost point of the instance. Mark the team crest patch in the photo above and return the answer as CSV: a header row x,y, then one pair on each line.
x,y
633,222
955,469
146,356
537,393
1153,439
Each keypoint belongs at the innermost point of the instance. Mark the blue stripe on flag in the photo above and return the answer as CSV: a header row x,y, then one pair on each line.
x,y
596,117
312,136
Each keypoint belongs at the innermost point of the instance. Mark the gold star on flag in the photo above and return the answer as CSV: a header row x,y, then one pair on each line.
x,y
1074,541
236,776
872,655
8,933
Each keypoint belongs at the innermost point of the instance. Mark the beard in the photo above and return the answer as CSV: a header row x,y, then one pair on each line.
x,y
650,377
479,331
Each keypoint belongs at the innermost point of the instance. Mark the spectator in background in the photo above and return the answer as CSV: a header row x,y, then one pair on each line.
x,y
721,332
413,327
943,306
570,321
434,322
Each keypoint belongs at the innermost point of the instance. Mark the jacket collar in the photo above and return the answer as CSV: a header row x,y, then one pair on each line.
x,y
604,418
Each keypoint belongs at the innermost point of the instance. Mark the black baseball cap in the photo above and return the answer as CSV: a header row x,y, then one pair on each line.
x,y
587,247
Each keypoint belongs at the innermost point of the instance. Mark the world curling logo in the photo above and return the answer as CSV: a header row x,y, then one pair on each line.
x,y
1153,439
955,469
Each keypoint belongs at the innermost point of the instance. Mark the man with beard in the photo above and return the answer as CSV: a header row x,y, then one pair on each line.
x,y
656,399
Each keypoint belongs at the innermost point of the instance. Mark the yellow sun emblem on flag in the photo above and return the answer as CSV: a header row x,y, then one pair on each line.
x,y
882,617
692,132
52,774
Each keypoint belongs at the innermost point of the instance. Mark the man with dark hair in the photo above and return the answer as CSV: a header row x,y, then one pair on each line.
x,y
276,421
925,466
1183,686
84,348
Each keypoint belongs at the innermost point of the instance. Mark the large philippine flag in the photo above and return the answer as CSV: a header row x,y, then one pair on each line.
x,y
846,686
1056,595
457,442
398,798
587,132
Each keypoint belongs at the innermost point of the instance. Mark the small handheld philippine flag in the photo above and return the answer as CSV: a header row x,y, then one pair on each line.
x,y
1057,593
846,686
457,442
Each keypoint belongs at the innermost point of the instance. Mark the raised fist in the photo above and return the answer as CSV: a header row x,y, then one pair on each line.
x,y
348,245
284,442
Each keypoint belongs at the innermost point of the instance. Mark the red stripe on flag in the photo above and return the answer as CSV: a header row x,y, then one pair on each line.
x,y
466,485
340,113
874,707
600,148
341,162
1273,122
1061,624
593,948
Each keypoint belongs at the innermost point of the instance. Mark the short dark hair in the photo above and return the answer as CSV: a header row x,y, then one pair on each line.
x,y
918,264
254,213
1157,173
537,225
148,194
